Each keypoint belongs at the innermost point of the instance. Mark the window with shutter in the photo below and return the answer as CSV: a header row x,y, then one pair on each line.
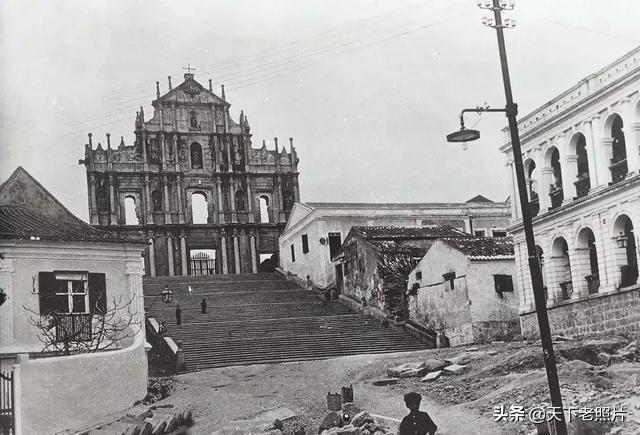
x,y
97,293
50,301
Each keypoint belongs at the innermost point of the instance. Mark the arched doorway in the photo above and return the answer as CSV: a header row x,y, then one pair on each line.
x,y
561,265
556,193
625,251
618,168
587,262
583,179
534,200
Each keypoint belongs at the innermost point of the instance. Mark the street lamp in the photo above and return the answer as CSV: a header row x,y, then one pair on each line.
x,y
621,240
511,111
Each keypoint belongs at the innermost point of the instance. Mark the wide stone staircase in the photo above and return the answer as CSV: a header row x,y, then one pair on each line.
x,y
262,318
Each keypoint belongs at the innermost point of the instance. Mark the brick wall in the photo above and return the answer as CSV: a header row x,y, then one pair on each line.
x,y
607,312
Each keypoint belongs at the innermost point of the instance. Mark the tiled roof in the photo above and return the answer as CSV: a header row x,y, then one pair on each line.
x,y
390,246
20,223
394,232
480,198
483,248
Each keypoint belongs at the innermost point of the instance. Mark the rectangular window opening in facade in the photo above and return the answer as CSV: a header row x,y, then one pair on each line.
x,y
449,280
503,284
480,233
418,275
335,241
499,233
293,254
305,244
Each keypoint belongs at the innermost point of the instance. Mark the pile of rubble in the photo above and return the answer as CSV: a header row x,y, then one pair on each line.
x,y
629,353
432,369
361,424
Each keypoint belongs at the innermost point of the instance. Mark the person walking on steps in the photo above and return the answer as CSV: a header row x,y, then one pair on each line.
x,y
416,422
203,306
178,315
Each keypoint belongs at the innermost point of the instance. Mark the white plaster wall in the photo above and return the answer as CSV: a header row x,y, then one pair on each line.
x,y
449,309
65,392
19,273
486,304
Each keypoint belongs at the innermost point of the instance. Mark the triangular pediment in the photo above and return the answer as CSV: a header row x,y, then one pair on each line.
x,y
192,92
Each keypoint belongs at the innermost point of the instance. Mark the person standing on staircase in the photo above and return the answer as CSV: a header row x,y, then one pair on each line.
x,y
203,305
178,315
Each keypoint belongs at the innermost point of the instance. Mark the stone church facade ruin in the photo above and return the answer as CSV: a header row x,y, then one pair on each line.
x,y
193,186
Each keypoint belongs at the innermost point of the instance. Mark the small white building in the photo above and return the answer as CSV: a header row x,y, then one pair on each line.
x,y
582,163
315,231
60,271
464,287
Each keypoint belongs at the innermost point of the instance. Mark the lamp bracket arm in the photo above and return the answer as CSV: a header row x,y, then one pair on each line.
x,y
480,109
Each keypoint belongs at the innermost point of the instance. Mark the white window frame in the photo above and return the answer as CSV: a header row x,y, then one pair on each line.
x,y
70,278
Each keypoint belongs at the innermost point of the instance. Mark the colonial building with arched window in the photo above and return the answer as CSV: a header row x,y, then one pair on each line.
x,y
192,183
582,163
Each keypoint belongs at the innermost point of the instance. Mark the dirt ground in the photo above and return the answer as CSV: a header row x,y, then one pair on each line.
x,y
498,374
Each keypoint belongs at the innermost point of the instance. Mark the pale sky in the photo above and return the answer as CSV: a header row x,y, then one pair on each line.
x,y
368,89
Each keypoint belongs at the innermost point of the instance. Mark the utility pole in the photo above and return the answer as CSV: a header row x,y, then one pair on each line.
x,y
534,266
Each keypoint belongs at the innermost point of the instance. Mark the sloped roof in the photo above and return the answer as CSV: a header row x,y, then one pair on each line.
x,y
480,198
396,232
399,205
191,87
28,211
20,223
483,248
392,246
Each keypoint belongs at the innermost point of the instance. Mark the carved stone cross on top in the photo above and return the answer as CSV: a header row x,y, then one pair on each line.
x,y
188,69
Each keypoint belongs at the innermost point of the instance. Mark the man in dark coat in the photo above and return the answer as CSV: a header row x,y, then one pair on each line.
x,y
178,315
417,422
203,306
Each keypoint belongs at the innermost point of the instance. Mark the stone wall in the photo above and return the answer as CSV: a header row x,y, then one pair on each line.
x,y
609,312
486,332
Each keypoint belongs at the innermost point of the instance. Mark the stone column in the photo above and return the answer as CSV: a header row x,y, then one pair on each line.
x,y
6,309
296,188
223,248
221,218
515,198
183,255
112,201
232,200
170,255
569,176
145,160
93,208
134,271
152,257
179,187
580,268
591,155
227,144
254,256
633,158
147,200
176,158
167,208
236,253
545,175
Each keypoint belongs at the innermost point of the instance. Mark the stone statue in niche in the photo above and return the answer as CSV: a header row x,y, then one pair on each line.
x,y
237,155
156,199
193,120
169,144
196,156
240,206
102,198
288,200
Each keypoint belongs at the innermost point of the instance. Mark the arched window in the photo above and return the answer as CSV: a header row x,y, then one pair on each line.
x,y
625,251
618,166
555,190
156,199
130,216
199,208
264,209
196,156
583,183
562,268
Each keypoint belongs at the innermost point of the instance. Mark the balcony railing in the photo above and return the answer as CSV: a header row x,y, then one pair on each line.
x,y
582,186
618,170
593,283
534,206
72,327
557,196
567,290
